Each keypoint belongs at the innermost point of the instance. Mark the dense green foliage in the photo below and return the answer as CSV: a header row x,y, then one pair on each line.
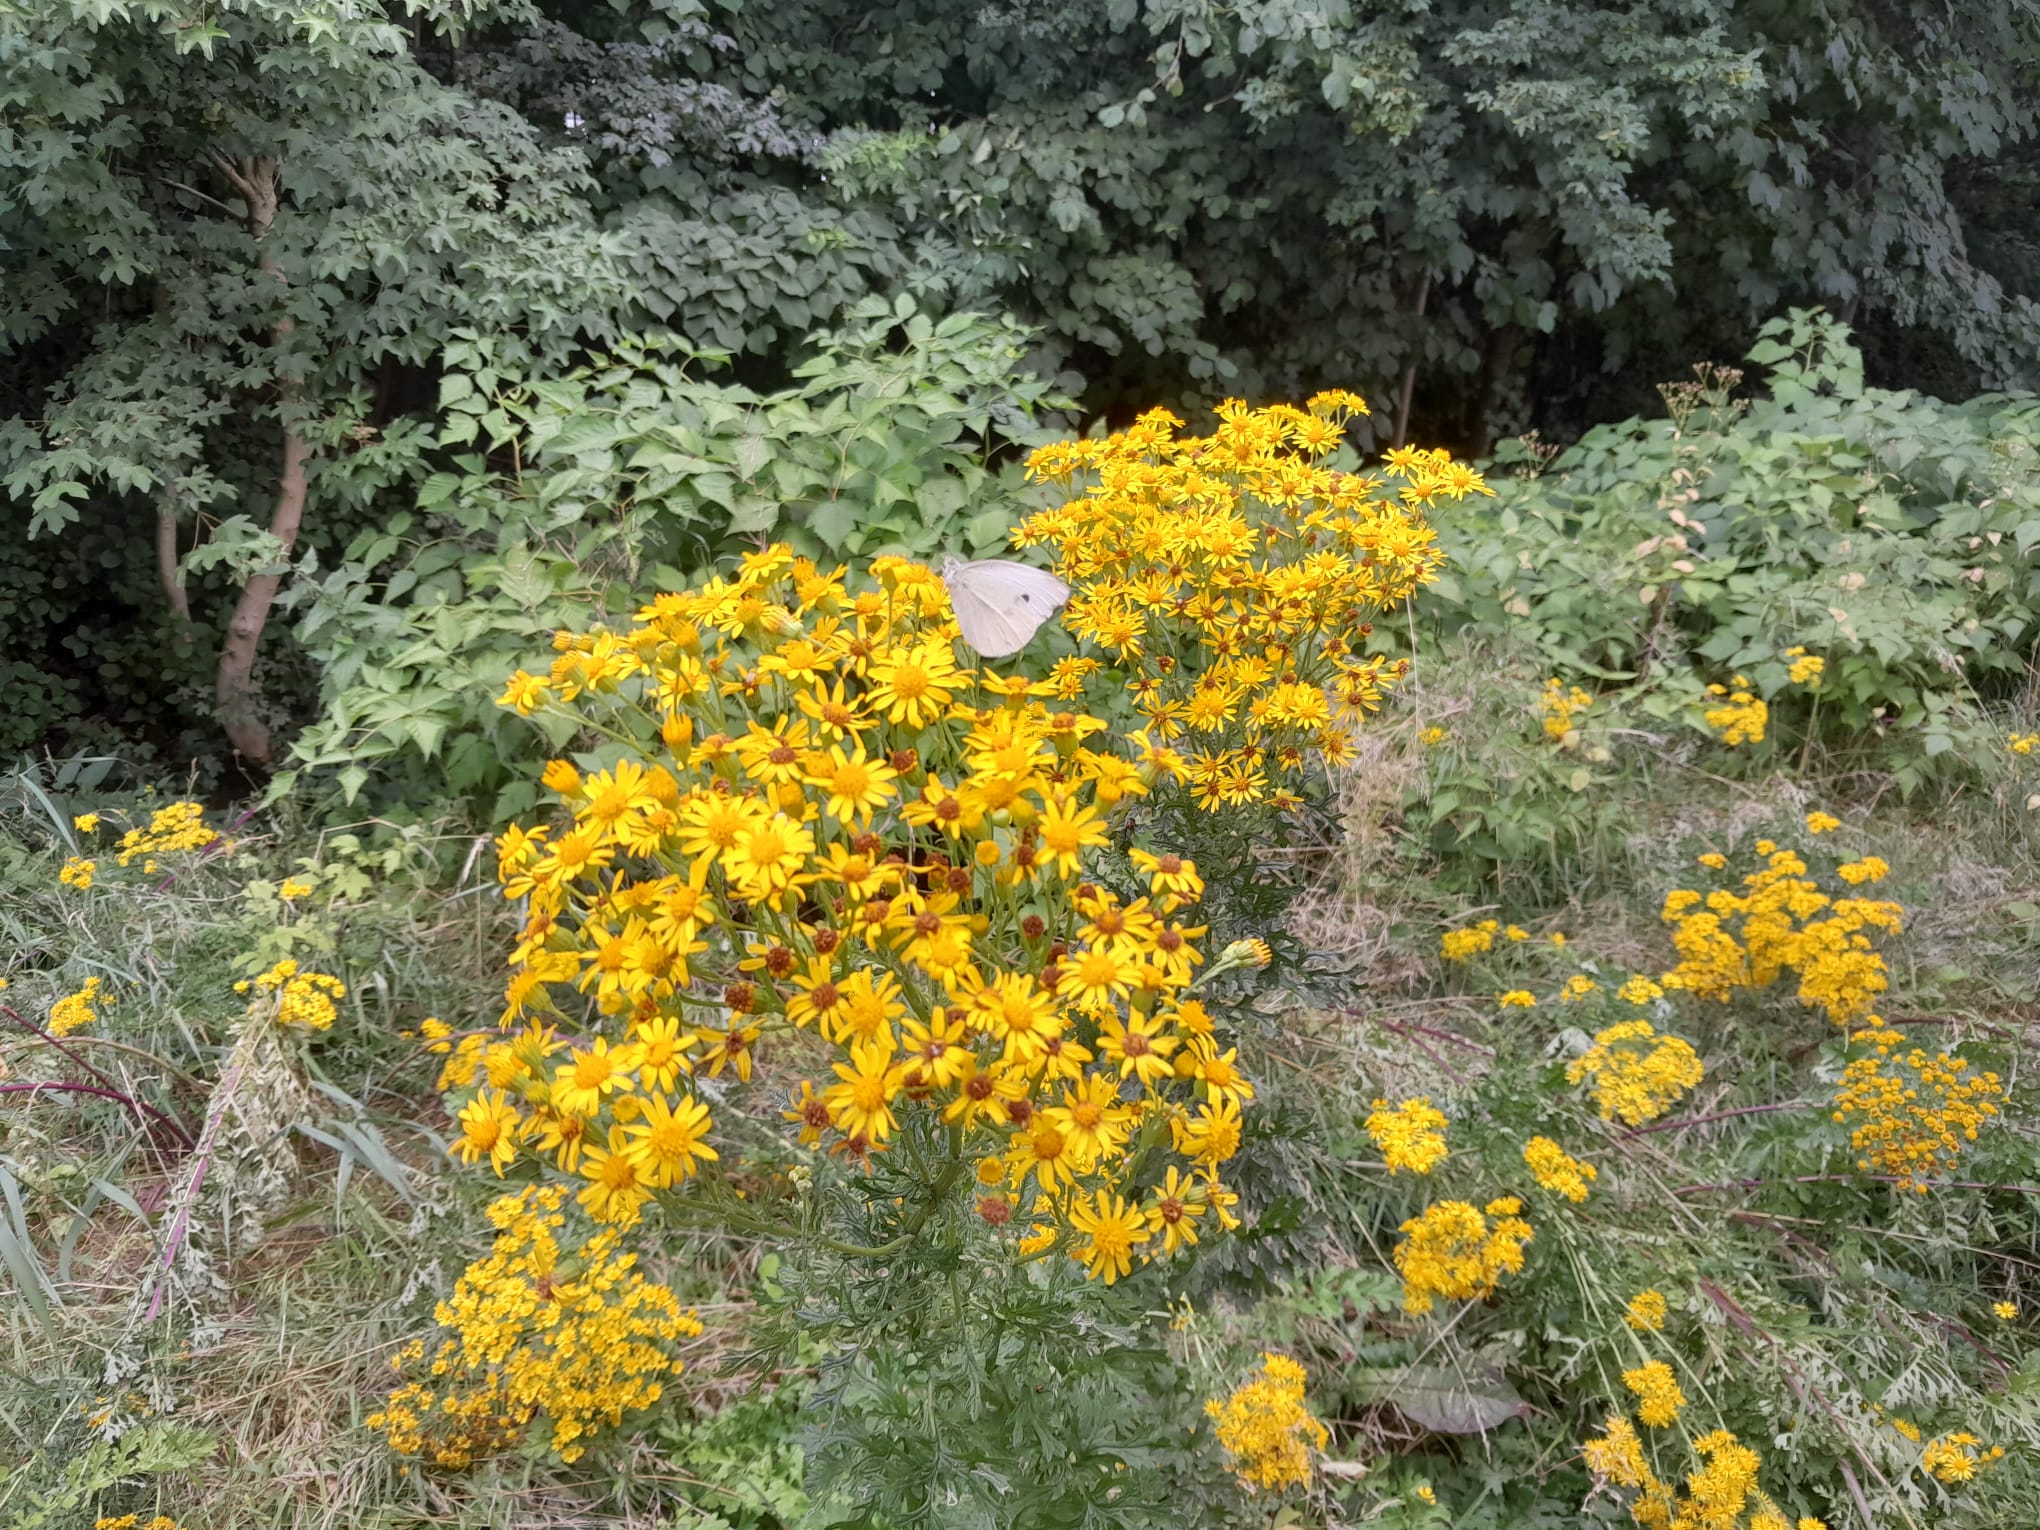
x,y
238,244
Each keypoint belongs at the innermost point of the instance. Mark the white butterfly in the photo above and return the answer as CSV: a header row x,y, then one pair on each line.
x,y
1000,605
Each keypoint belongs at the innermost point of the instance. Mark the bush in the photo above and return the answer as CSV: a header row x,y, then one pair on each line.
x,y
1891,536
566,497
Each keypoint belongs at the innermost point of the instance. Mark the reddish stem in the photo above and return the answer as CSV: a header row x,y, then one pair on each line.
x,y
1719,1115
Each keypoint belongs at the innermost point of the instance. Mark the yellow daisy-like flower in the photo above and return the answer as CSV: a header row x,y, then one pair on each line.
x,y
1111,1229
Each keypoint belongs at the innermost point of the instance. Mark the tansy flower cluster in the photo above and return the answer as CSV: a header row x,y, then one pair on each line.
x,y
1806,668
1722,1494
1560,705
1738,715
1410,1135
1557,1170
1636,1075
295,998
1782,921
136,1522
1230,577
80,1008
1657,1391
1910,1112
1646,1311
824,829
1266,1427
78,872
180,826
542,1329
1474,940
1452,1250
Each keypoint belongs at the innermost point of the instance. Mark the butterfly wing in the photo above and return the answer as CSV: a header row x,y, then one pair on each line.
x,y
1001,605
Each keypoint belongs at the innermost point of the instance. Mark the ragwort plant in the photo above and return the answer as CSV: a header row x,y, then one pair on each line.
x,y
815,952
1769,1297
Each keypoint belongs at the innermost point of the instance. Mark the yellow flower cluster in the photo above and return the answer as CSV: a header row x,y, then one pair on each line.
x,y
1955,1457
1266,1427
1410,1135
1910,1113
1637,1075
1739,716
1646,1311
1782,921
1474,940
1517,998
1230,576
573,1334
2023,743
822,826
1717,1496
1557,1170
78,872
1657,1390
1451,1250
180,826
300,998
136,1522
85,823
1807,668
78,1009
1560,706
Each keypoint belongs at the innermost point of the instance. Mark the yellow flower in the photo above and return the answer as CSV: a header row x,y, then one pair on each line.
x,y
488,1129
861,1102
1411,1135
85,823
2023,743
527,1341
1557,1170
78,872
1822,823
1172,1214
1517,998
1741,718
1636,1074
78,1008
1646,1311
616,1186
914,684
593,1072
1460,945
1265,1427
180,826
666,1141
2005,1311
1451,1250
1657,1391
1111,1229
1806,668
1954,1458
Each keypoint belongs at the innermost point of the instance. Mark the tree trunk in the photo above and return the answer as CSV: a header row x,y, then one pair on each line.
x,y
166,565
238,699
1409,382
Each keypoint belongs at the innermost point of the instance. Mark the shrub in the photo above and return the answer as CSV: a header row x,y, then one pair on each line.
x,y
1862,560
